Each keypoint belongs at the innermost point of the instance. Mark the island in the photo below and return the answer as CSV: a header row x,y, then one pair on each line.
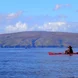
x,y
34,39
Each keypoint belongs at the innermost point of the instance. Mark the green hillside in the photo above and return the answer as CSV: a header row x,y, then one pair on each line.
x,y
38,39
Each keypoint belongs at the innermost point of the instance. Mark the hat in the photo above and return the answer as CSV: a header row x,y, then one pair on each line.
x,y
69,47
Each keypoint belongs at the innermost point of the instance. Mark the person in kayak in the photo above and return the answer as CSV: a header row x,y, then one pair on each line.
x,y
69,50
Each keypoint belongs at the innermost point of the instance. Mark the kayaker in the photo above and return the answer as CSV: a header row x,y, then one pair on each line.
x,y
69,50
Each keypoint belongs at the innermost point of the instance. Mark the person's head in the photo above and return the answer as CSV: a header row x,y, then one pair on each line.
x,y
69,47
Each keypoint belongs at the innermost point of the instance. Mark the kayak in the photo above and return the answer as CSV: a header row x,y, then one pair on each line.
x,y
60,53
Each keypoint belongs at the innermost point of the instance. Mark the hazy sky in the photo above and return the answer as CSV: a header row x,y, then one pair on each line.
x,y
38,15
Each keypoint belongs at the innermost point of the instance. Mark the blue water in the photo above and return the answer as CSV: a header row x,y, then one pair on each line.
x,y
36,63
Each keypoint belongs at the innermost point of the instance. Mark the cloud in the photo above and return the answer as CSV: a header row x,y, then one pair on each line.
x,y
59,6
11,18
49,26
14,15
8,17
57,27
54,26
18,27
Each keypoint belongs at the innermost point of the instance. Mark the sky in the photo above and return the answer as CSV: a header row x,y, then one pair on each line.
x,y
38,15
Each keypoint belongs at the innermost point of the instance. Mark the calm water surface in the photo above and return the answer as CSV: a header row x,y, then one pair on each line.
x,y
36,63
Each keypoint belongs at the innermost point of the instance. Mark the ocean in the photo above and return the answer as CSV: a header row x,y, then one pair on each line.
x,y
36,63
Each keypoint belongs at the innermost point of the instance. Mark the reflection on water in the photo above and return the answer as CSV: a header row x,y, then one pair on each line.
x,y
36,63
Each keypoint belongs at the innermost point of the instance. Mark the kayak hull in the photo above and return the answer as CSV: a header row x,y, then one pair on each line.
x,y
60,53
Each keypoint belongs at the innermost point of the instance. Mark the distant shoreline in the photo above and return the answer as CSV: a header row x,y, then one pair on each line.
x,y
36,47
31,47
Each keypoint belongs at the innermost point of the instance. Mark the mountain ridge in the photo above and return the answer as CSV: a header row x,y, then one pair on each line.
x,y
30,39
